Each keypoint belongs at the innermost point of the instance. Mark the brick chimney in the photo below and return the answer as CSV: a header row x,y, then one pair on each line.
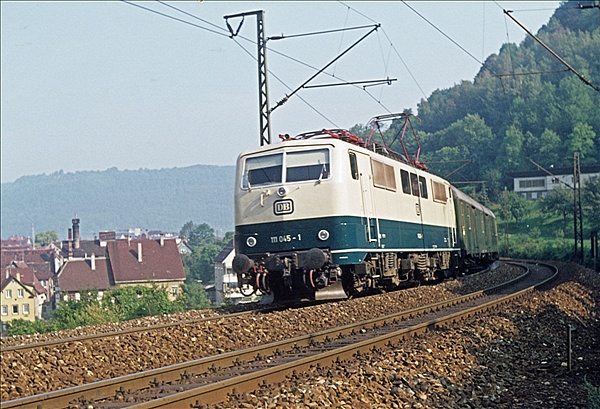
x,y
139,252
75,233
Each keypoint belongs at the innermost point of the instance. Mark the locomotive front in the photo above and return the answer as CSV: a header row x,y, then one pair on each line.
x,y
285,198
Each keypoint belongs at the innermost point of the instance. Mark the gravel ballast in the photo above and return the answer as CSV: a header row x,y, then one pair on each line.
x,y
513,358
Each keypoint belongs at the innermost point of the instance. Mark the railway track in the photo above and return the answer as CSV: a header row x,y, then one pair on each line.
x,y
131,331
209,380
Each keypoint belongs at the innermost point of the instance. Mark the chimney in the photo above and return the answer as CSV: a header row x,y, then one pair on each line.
x,y
75,233
93,262
70,234
139,252
162,240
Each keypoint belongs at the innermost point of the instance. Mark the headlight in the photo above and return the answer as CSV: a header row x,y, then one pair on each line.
x,y
282,191
251,242
323,235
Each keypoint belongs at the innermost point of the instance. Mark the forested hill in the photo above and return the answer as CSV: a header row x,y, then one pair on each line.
x,y
500,121
118,200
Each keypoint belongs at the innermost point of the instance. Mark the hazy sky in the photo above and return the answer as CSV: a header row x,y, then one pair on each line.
x,y
94,85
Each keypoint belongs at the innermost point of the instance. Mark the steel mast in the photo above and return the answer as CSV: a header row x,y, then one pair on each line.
x,y
263,90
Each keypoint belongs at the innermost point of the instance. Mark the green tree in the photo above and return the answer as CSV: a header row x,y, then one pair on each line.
x,y
513,205
140,301
46,237
193,296
581,140
591,202
200,264
86,311
510,156
559,201
197,234
550,148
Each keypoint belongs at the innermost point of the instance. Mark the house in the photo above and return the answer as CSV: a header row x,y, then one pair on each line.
x,y
22,295
183,247
536,184
45,262
148,263
84,274
226,283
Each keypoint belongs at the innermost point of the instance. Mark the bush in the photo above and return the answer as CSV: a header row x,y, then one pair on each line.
x,y
22,327
138,301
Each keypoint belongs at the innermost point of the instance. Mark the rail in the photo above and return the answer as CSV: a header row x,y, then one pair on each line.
x,y
246,368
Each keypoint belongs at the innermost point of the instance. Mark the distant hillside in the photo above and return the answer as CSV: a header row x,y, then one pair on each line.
x,y
118,200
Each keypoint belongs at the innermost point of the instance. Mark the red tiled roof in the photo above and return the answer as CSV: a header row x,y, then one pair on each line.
x,y
159,263
5,280
77,275
26,276
86,248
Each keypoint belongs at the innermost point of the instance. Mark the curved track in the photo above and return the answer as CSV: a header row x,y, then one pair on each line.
x,y
209,380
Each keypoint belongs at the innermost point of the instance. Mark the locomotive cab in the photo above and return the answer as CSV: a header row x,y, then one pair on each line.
x,y
282,248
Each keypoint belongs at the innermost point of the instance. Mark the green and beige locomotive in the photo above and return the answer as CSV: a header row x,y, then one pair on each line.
x,y
325,215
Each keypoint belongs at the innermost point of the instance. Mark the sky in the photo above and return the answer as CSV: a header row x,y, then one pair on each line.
x,y
96,85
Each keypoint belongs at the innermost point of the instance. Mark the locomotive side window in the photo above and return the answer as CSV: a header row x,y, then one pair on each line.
x,y
405,181
383,175
353,166
423,186
262,170
439,192
414,183
310,165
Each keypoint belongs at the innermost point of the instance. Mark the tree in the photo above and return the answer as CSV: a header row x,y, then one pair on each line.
x,y
513,204
140,301
46,237
560,201
197,234
193,296
591,202
511,150
581,140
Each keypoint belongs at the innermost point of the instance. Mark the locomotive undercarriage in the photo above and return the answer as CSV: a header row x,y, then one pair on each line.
x,y
311,274
390,271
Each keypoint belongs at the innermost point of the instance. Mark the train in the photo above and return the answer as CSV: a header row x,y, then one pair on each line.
x,y
328,215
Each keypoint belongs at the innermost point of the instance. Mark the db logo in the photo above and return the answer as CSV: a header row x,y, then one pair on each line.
x,y
283,207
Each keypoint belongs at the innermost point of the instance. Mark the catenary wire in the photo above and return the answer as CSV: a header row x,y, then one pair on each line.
x,y
225,33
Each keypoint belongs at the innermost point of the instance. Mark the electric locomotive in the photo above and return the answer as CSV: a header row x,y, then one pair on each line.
x,y
327,215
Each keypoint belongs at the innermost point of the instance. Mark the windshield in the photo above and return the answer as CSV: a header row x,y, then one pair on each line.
x,y
286,167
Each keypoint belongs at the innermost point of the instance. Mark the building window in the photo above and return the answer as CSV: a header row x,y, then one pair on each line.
x,y
8,293
15,309
524,184
174,291
20,293
25,309
5,310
